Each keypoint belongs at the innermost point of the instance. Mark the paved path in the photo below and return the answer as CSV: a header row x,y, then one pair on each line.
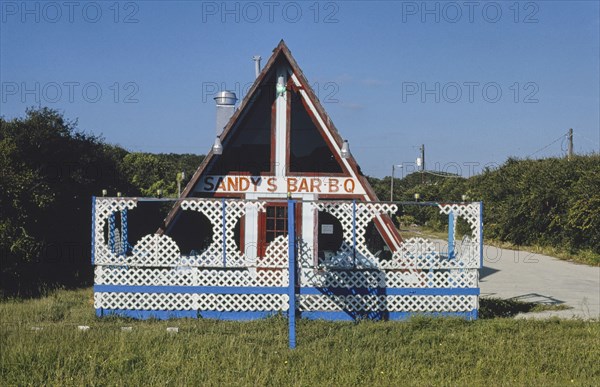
x,y
539,278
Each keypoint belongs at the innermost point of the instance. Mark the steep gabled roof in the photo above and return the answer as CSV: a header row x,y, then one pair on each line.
x,y
282,51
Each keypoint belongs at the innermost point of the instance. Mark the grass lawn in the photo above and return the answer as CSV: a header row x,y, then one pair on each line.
x,y
420,351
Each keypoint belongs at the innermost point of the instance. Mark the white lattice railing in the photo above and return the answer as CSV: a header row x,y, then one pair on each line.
x,y
153,274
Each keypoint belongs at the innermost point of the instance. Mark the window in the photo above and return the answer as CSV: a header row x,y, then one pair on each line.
x,y
248,148
308,150
276,222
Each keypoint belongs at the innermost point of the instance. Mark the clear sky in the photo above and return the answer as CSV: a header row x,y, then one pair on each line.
x,y
476,82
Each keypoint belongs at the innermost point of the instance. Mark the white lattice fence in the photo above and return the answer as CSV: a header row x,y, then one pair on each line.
x,y
155,276
367,303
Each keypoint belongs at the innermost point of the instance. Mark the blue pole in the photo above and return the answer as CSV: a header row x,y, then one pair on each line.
x,y
292,276
451,235
111,232
125,242
224,233
93,227
354,231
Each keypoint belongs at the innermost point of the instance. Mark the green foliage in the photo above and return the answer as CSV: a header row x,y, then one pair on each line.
x,y
49,173
551,202
420,351
149,172
50,170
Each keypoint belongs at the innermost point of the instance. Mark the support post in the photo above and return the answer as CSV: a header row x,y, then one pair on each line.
x,y
354,232
451,235
93,227
111,232
124,232
480,234
570,149
292,273
223,212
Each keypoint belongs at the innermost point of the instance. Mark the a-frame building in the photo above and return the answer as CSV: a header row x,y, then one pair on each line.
x,y
224,251
280,142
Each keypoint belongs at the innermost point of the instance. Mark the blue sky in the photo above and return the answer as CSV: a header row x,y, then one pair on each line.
x,y
475,82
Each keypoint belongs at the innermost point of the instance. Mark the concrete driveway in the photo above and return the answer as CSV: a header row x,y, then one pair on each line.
x,y
539,278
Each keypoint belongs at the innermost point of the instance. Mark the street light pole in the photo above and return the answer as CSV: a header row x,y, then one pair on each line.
x,y
394,166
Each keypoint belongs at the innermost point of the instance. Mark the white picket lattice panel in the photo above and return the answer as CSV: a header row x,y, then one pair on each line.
x,y
103,209
346,214
469,250
156,260
243,302
367,303
244,278
145,301
137,276
187,276
191,301
392,279
155,250
212,256
276,254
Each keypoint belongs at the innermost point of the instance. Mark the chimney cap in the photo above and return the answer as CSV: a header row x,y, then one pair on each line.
x,y
225,97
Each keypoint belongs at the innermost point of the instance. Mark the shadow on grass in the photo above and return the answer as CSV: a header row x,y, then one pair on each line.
x,y
497,307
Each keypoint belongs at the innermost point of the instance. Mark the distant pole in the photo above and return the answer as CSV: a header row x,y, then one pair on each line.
x,y
394,166
392,185
422,163
180,177
570,150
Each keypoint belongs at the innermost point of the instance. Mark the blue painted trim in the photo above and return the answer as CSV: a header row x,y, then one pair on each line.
x,y
147,314
237,316
111,232
451,235
189,289
354,232
93,229
391,291
172,314
223,205
481,234
124,232
253,315
348,316
284,290
292,273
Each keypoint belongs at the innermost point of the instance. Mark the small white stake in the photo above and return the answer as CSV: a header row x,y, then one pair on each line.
x,y
83,327
126,329
172,329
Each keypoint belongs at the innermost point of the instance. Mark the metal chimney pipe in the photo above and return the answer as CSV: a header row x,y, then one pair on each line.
x,y
225,108
256,59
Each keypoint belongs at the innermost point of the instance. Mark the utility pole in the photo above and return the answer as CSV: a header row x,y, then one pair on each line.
x,y
422,163
570,149
180,177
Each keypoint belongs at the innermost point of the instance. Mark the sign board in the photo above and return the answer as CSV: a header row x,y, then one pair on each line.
x,y
280,185
327,229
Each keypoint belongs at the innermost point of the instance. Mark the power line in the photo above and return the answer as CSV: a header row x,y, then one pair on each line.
x,y
586,138
562,136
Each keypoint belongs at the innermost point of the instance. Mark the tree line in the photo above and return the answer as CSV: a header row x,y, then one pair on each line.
x,y
548,202
50,170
